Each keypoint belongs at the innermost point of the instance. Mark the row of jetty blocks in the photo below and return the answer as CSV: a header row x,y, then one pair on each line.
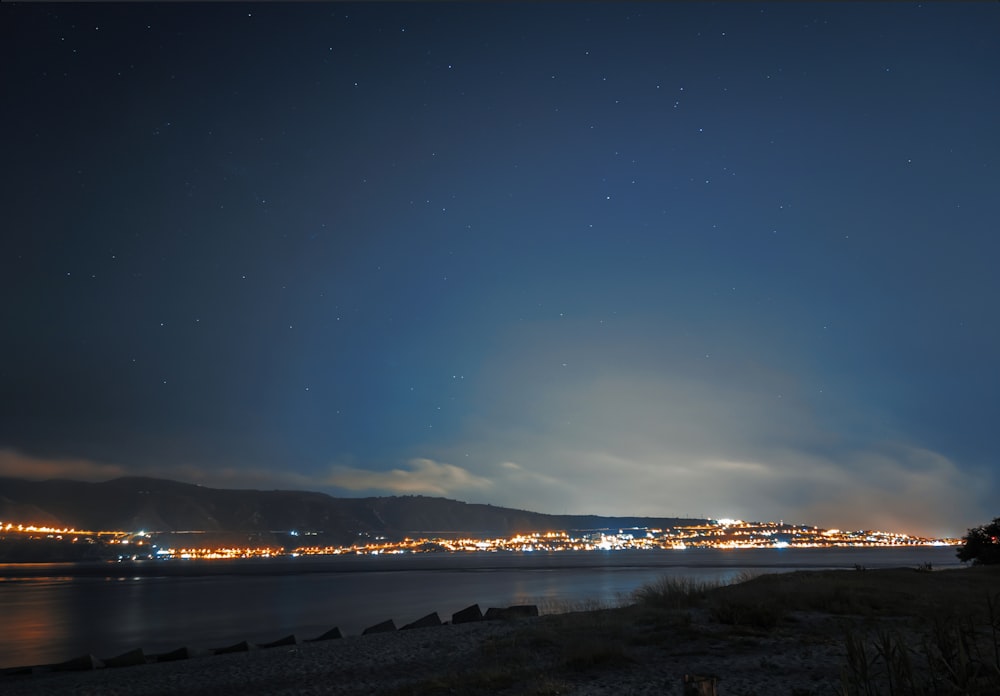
x,y
139,657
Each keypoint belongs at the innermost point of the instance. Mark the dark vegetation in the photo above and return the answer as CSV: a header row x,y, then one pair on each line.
x,y
981,545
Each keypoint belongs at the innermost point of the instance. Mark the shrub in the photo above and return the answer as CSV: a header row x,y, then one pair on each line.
x,y
671,592
982,544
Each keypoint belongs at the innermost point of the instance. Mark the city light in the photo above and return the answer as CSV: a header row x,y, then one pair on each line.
x,y
717,534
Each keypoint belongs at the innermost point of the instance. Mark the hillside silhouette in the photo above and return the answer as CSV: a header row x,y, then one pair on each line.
x,y
161,505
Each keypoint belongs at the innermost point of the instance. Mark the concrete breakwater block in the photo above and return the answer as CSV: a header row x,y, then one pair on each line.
x,y
290,639
333,634
126,659
172,655
431,619
242,646
467,615
77,664
384,627
518,611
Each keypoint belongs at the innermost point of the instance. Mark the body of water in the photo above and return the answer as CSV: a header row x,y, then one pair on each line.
x,y
51,613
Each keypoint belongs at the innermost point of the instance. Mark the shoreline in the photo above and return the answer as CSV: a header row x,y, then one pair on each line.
x,y
52,620
780,633
362,664
466,658
696,558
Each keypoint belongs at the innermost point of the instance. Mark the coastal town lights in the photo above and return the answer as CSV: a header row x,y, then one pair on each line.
x,y
724,533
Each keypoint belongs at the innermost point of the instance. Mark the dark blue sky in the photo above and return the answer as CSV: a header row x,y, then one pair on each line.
x,y
726,259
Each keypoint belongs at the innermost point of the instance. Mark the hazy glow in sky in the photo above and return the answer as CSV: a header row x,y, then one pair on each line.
x,y
667,259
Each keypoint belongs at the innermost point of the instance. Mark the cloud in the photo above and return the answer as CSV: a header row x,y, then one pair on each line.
x,y
897,487
237,477
424,476
18,465
566,420
888,486
514,473
627,429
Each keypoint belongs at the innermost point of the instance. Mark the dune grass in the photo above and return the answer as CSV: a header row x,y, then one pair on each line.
x,y
905,631
899,631
901,592
671,592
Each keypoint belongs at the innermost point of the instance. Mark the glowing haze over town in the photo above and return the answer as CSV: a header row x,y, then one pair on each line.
x,y
656,259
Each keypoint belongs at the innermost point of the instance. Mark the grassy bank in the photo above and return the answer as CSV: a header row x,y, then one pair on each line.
x,y
848,632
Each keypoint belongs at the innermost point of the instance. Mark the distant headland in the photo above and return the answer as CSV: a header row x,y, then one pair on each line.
x,y
146,518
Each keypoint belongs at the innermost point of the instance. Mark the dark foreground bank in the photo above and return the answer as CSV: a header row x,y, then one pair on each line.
x,y
804,633
111,610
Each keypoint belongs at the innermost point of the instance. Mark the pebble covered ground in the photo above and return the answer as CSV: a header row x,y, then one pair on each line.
x,y
546,655
353,665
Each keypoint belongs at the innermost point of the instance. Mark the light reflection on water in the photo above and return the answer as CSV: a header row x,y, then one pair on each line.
x,y
53,619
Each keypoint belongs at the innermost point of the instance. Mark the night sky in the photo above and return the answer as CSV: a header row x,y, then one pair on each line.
x,y
721,260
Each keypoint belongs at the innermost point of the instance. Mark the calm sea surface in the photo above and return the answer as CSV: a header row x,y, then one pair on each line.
x,y
50,613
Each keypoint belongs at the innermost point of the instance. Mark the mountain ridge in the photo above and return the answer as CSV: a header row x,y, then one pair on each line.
x,y
164,505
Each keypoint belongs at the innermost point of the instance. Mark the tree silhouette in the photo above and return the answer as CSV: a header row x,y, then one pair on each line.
x,y
982,544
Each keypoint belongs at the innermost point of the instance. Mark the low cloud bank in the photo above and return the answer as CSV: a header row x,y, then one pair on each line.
x,y
17,465
424,476
577,426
